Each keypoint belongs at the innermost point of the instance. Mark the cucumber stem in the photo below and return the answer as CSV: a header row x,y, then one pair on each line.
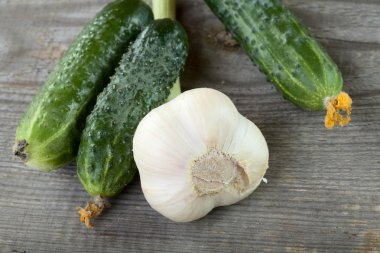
x,y
335,106
93,208
163,9
166,9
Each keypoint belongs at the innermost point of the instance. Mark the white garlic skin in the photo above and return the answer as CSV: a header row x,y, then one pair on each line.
x,y
172,136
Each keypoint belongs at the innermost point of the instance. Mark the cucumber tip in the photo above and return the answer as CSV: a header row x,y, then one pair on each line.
x,y
19,150
93,209
339,110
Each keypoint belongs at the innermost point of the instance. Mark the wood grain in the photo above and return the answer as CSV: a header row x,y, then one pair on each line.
x,y
323,193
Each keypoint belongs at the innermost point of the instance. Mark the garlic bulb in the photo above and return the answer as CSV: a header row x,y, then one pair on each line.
x,y
197,152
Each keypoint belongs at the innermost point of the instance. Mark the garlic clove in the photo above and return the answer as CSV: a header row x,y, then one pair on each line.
x,y
214,125
251,150
197,152
157,151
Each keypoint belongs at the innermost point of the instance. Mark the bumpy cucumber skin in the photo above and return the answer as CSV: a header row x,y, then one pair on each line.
x,y
142,82
282,48
53,123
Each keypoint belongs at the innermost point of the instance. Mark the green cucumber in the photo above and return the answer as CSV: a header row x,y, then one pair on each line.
x,y
287,54
142,82
49,133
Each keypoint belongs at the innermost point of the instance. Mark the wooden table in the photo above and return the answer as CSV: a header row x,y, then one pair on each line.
x,y
323,193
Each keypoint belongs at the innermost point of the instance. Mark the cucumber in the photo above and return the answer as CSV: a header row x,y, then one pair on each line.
x,y
49,132
287,54
142,82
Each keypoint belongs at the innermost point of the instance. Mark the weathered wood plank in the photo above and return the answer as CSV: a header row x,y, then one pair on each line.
x,y
323,193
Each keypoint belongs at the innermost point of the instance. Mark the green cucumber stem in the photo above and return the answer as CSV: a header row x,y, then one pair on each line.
x,y
163,9
166,9
175,90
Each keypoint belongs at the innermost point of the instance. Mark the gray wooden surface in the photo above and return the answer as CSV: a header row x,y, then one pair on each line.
x,y
323,193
